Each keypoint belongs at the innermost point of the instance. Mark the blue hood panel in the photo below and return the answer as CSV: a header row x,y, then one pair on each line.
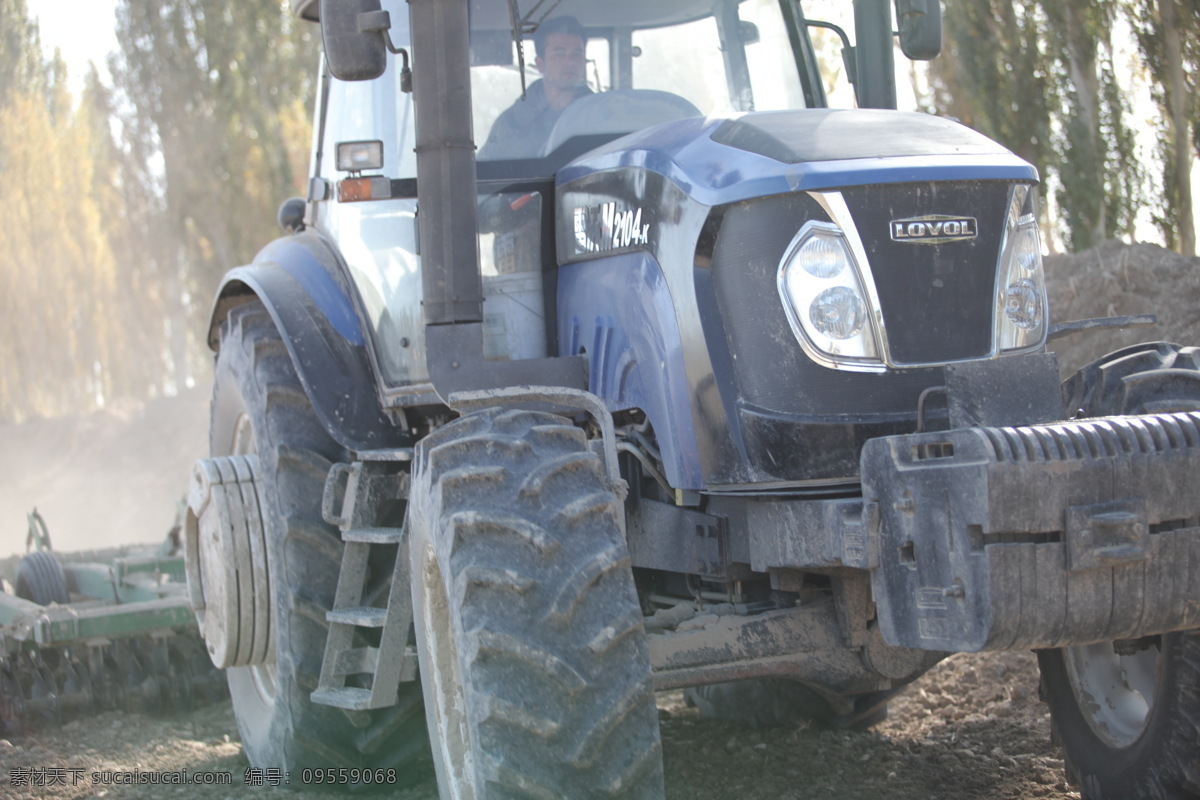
x,y
725,160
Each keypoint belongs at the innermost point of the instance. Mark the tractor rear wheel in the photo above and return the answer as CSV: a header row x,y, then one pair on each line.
x,y
532,647
259,407
1127,714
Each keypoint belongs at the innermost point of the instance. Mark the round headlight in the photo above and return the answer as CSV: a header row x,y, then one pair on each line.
x,y
1023,304
838,313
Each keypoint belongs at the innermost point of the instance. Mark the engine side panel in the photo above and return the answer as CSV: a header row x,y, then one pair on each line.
x,y
619,312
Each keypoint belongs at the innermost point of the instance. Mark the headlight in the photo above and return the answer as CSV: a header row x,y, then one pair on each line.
x,y
823,297
1021,285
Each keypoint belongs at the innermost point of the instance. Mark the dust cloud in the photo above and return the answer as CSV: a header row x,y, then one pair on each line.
x,y
102,479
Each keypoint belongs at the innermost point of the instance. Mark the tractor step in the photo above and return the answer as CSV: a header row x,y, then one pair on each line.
x,y
363,616
348,697
372,535
368,486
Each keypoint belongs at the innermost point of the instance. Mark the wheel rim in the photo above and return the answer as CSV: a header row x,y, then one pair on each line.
x,y
1114,693
262,676
451,744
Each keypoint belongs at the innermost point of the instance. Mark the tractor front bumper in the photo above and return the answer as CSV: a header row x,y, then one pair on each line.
x,y
1035,537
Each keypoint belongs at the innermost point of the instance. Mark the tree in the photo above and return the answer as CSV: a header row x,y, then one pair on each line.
x,y
142,304
1038,76
21,64
126,208
1101,179
992,75
216,87
59,274
1168,36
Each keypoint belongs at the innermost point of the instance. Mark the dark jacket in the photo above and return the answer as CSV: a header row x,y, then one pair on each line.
x,y
522,129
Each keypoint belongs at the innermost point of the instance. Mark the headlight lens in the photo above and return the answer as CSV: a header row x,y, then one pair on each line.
x,y
822,256
838,313
823,297
1021,295
1022,306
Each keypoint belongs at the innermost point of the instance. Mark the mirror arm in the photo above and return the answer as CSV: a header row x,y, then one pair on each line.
x,y
381,22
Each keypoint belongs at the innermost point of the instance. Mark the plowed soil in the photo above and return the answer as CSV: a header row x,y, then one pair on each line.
x,y
971,728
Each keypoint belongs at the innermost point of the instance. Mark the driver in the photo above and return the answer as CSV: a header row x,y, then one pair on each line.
x,y
522,130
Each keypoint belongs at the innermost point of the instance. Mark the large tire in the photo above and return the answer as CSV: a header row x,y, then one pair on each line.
x,y
259,406
532,647
40,579
1128,717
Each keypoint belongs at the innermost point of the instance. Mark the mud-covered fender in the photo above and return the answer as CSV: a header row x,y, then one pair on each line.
x,y
304,286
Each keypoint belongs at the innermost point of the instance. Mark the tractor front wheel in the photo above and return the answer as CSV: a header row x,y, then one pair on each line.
x,y
532,648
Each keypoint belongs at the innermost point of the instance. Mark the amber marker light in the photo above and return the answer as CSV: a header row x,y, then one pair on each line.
x,y
356,190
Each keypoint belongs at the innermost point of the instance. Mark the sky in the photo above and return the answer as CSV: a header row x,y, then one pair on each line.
x,y
83,32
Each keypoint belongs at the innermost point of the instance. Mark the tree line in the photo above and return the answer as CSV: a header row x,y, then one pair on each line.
x,y
127,204
1051,80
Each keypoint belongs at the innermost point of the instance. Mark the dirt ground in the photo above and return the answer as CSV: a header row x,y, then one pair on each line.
x,y
972,728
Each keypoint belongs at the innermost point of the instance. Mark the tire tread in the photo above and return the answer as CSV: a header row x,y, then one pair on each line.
x,y
256,377
559,688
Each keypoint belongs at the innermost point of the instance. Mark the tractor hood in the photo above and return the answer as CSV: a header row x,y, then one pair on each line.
x,y
752,155
708,214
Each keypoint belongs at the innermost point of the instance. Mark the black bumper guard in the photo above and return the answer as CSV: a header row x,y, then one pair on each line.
x,y
1034,537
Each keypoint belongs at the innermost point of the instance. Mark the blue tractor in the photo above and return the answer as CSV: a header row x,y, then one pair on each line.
x,y
604,357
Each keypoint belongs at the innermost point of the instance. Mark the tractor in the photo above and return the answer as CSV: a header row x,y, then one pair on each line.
x,y
604,357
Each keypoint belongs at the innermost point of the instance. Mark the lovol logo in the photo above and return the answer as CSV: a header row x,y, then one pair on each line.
x,y
934,229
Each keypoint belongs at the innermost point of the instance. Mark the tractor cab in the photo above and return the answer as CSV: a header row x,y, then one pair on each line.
x,y
635,65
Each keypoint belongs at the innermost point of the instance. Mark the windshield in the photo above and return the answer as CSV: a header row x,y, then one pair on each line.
x,y
593,71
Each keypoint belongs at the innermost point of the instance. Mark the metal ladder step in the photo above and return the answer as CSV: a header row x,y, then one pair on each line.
x,y
368,485
361,616
373,535
348,697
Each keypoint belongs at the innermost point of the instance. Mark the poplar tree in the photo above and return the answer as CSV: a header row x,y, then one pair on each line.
x,y
1168,36
221,89
1039,77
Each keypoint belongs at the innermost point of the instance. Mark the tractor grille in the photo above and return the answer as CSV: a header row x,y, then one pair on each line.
x,y
804,421
937,299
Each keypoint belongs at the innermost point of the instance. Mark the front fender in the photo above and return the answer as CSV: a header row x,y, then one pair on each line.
x,y
619,312
303,285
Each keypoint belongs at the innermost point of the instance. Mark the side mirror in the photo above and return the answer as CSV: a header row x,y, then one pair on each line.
x,y
920,24
353,32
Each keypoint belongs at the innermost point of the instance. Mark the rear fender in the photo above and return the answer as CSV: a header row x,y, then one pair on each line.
x,y
303,284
